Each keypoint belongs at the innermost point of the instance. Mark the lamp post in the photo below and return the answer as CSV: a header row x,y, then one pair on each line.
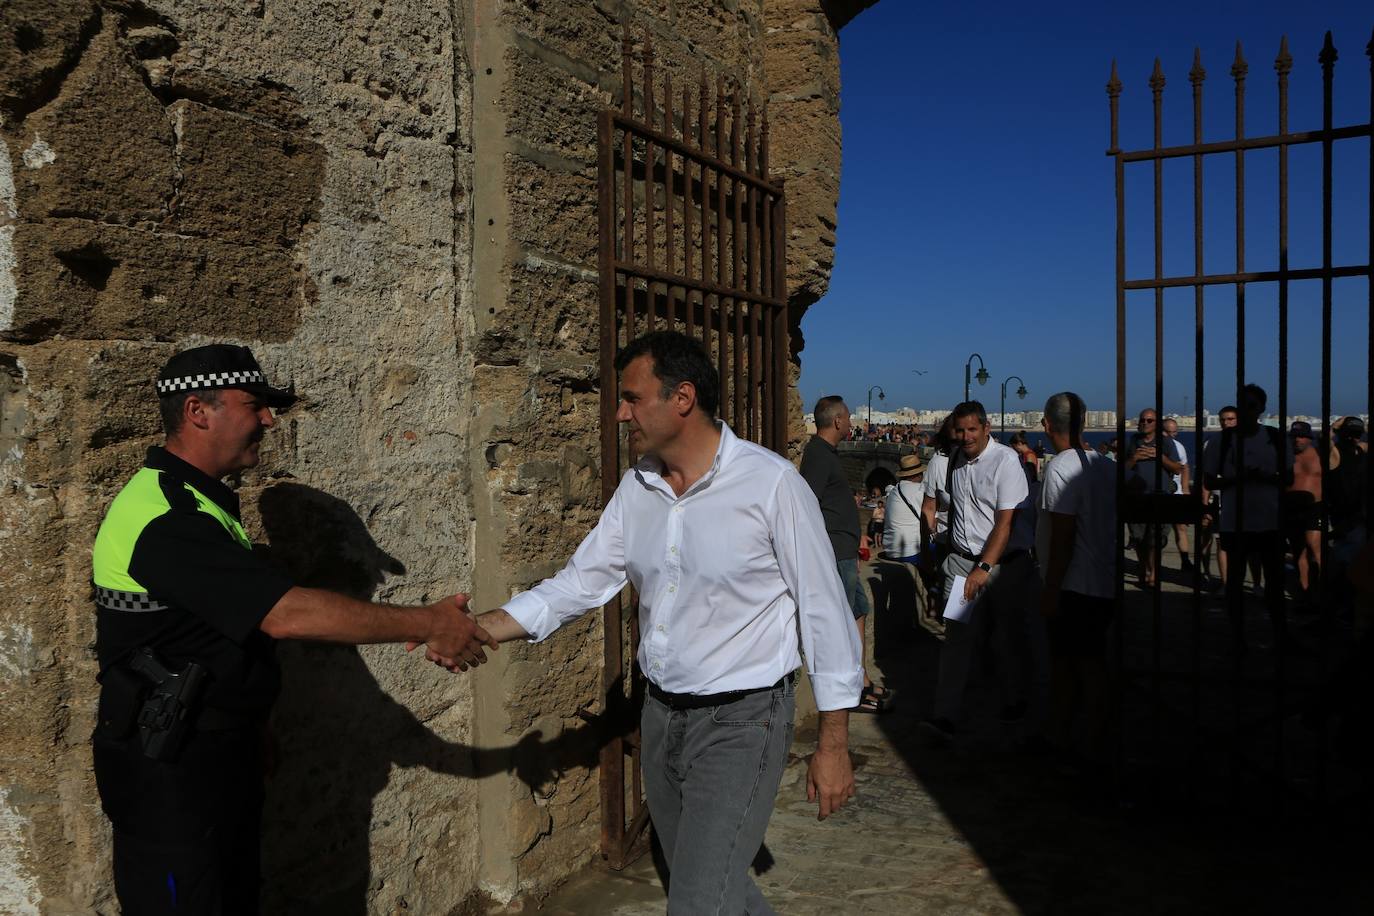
x,y
1020,393
968,369
868,427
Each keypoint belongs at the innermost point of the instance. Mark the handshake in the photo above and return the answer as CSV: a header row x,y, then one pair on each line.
x,y
454,639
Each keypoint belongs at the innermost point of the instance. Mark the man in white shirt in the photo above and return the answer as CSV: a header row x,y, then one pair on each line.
x,y
986,487
725,546
901,513
1076,546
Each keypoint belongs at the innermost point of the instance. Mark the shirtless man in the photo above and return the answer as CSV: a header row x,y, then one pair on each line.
x,y
1305,508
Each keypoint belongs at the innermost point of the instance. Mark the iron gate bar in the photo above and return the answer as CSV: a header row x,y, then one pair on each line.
x,y
1327,58
1249,143
1239,70
639,271
1157,595
729,204
1196,76
1156,673
1302,273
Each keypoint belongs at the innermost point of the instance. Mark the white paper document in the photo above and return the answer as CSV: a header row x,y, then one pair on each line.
x,y
956,608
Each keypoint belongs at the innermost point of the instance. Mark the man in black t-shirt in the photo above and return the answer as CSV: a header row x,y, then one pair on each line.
x,y
821,468
187,618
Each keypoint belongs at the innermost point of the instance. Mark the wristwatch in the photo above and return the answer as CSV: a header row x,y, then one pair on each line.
x,y
984,566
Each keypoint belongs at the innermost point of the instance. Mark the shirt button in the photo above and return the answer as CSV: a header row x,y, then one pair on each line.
x,y
660,628
673,549
672,588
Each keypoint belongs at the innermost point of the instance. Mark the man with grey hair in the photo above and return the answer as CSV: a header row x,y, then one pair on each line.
x,y
1075,542
821,469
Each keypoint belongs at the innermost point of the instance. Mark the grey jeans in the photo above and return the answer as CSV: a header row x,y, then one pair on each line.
x,y
710,777
1002,606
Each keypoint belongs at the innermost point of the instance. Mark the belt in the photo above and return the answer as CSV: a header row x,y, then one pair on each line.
x,y
977,557
679,701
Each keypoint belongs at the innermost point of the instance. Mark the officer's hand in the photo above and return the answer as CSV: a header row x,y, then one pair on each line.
x,y
455,640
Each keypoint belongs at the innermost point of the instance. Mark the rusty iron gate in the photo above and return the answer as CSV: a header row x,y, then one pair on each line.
x,y
691,238
1238,718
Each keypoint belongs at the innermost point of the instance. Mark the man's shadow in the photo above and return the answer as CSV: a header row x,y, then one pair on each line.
x,y
340,735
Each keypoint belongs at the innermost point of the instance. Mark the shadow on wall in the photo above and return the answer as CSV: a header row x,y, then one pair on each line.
x,y
340,734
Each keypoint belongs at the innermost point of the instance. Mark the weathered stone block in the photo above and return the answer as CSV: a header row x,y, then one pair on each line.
x,y
553,210
242,181
90,280
586,31
549,109
102,150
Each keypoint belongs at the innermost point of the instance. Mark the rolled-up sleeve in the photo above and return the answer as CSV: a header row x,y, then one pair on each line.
x,y
594,575
829,637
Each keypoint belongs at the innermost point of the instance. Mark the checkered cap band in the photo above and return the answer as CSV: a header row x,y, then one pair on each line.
x,y
115,600
209,380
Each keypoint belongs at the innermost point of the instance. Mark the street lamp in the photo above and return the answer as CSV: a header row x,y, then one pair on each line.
x,y
982,375
1020,393
881,396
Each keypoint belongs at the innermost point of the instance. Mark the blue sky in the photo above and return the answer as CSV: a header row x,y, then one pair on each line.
x,y
977,206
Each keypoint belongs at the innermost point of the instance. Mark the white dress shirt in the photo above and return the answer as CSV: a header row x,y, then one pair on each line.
x,y
982,487
729,575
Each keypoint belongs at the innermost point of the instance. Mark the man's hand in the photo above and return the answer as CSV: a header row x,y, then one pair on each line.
x,y
976,581
829,774
455,640
1145,453
829,779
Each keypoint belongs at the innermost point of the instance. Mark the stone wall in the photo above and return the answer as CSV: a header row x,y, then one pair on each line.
x,y
393,202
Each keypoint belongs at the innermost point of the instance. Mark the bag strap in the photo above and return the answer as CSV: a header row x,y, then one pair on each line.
x,y
907,501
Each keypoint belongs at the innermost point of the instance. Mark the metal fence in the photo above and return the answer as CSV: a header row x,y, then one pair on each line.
x,y
1244,712
691,238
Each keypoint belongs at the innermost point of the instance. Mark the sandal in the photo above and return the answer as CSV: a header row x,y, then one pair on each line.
x,y
874,703
880,693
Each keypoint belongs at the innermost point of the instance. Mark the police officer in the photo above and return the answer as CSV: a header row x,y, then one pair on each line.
x,y
186,620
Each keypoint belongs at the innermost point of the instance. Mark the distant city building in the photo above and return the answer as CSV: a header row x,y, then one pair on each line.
x,y
1100,419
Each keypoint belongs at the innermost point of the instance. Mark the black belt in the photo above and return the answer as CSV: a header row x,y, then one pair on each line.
x,y
978,557
678,701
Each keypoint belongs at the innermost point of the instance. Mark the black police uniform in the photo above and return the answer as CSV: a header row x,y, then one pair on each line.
x,y
186,827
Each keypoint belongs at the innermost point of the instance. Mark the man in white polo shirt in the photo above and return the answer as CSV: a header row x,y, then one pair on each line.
x,y
992,559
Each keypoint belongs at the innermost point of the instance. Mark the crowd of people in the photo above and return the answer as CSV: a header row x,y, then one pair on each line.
x,y
985,527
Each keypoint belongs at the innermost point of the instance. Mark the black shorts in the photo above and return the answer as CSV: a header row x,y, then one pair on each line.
x,y
1145,533
1303,516
1079,627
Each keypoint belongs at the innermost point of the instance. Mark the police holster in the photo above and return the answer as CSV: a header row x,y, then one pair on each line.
x,y
158,702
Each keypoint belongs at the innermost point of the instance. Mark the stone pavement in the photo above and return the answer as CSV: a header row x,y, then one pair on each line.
x,y
985,827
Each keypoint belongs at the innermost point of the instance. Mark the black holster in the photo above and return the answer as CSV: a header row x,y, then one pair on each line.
x,y
165,714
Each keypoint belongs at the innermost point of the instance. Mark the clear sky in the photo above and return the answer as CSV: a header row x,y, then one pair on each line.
x,y
977,206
